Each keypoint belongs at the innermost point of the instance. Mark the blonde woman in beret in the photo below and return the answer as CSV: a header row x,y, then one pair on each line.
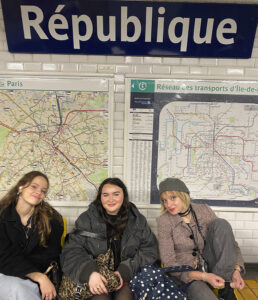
x,y
191,234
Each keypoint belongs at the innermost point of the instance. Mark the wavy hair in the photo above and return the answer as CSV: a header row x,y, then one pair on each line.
x,y
43,212
119,225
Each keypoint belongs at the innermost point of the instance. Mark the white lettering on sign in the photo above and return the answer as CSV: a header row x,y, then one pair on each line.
x,y
32,23
222,29
77,37
131,27
58,21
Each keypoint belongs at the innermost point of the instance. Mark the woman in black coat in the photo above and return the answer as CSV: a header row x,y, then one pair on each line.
x,y
30,233
126,232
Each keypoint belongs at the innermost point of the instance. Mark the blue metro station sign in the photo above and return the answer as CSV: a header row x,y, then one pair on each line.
x,y
130,28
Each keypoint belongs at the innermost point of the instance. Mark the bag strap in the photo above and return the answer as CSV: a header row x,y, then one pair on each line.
x,y
89,234
52,265
183,268
198,225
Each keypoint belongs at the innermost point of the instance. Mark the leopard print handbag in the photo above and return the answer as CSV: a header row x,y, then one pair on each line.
x,y
70,290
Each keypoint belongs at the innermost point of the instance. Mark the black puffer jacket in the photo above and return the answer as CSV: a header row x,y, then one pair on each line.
x,y
138,246
20,256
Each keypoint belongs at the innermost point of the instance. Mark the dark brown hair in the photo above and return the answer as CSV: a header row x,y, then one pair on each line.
x,y
119,225
43,212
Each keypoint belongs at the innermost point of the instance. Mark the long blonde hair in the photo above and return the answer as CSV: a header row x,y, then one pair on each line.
x,y
43,212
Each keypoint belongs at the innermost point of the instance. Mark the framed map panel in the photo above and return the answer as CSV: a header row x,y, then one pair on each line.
x,y
203,132
60,126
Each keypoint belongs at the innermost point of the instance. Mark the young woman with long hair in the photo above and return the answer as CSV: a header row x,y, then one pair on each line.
x,y
126,232
30,234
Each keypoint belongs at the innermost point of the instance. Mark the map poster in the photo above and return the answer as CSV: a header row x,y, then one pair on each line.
x,y
203,132
60,126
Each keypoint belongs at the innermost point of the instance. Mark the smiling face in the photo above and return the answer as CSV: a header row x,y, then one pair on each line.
x,y
34,192
112,197
172,202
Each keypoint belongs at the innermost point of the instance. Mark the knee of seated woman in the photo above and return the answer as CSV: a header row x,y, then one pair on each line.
x,y
23,289
220,223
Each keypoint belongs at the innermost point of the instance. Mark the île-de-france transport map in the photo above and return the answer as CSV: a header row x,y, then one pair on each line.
x,y
203,132
60,126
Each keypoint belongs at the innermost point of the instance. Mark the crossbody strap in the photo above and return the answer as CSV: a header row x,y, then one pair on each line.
x,y
198,225
90,234
183,268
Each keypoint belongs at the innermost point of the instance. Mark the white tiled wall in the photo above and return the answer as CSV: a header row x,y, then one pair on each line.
x,y
243,221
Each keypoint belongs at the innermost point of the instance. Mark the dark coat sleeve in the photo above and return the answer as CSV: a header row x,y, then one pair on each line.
x,y
41,256
140,248
77,257
13,262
